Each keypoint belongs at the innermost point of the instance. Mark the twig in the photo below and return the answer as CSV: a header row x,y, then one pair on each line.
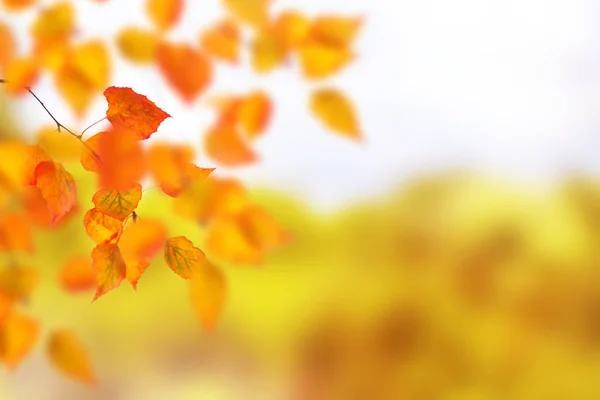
x,y
95,123
60,126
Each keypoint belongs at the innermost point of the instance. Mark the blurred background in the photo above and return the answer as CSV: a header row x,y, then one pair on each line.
x,y
454,253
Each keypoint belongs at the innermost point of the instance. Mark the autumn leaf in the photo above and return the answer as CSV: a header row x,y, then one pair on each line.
x,y
109,266
59,146
77,275
34,156
187,70
261,229
18,335
119,159
17,282
212,198
118,204
164,13
69,356
57,187
222,41
224,144
15,232
254,113
37,210
133,112
8,46
208,289
84,74
336,112
252,12
226,241
17,5
55,23
100,227
183,258
172,168
140,243
335,30
20,73
137,45
267,51
319,61
291,27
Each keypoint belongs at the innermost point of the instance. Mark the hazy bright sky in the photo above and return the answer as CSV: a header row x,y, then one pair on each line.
x,y
505,87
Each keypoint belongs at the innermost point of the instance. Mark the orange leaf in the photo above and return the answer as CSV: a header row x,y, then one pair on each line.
x,y
164,13
35,155
137,45
51,31
77,275
226,241
57,187
20,73
172,167
17,5
140,243
109,266
336,112
37,209
267,51
123,159
69,356
335,30
8,46
133,112
100,227
17,283
261,230
224,144
18,334
222,41
15,233
118,204
319,61
291,27
59,145
83,75
252,12
212,198
187,70
254,113
208,288
183,258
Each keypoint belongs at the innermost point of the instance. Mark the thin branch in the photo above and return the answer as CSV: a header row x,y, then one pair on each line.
x,y
58,124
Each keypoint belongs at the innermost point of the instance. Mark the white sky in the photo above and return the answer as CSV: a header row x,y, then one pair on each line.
x,y
504,87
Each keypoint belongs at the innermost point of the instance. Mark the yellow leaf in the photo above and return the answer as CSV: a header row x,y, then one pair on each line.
x,y
118,204
20,73
291,28
84,75
109,266
252,12
228,242
100,227
267,51
183,257
336,112
17,283
137,45
59,145
208,289
7,44
335,30
319,61
222,41
164,13
69,356
18,334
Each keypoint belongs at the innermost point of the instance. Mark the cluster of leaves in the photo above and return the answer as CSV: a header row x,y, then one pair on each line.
x,y
36,190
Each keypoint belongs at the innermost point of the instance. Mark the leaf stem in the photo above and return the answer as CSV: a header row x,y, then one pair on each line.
x,y
95,123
